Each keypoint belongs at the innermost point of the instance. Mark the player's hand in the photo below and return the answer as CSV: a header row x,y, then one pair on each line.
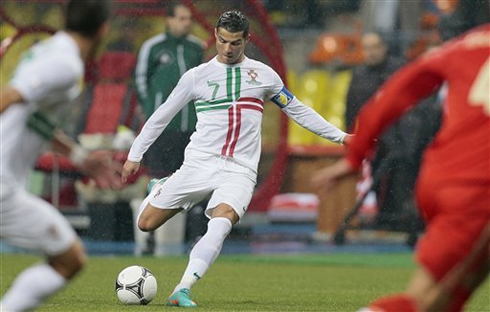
x,y
348,138
99,166
325,179
129,168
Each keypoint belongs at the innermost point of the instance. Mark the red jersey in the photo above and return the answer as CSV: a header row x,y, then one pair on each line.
x,y
461,149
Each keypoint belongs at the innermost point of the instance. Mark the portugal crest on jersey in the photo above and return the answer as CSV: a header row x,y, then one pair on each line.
x,y
253,78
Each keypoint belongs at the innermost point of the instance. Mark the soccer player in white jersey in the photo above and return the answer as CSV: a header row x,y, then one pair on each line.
x,y
221,159
46,80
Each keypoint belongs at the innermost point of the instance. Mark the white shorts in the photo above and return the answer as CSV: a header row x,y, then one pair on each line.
x,y
225,180
29,222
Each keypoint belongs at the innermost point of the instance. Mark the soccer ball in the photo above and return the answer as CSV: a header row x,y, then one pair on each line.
x,y
136,285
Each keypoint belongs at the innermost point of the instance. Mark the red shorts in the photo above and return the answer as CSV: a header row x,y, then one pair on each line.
x,y
457,235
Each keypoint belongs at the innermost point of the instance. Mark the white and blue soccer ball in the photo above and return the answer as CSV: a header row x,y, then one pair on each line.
x,y
136,285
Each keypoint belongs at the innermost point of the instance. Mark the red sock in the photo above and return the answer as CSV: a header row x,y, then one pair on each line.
x,y
395,303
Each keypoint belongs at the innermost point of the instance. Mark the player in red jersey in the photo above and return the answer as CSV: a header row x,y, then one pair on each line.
x,y
453,189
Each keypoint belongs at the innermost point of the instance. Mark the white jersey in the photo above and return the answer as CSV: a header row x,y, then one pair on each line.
x,y
229,101
48,77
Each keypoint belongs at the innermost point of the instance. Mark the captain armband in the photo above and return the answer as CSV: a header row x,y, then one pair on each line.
x,y
283,98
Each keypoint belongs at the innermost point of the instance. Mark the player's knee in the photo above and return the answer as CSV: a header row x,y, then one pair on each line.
x,y
145,225
79,262
225,211
152,218
69,263
76,260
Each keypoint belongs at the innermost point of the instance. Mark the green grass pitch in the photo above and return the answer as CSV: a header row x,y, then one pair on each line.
x,y
327,282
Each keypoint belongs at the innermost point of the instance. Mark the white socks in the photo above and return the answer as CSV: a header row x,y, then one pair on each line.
x,y
31,287
205,252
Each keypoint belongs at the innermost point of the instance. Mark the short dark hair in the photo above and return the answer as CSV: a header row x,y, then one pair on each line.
x,y
172,7
234,21
87,16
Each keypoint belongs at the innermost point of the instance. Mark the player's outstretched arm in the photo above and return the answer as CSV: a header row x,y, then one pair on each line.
x,y
309,119
303,115
159,120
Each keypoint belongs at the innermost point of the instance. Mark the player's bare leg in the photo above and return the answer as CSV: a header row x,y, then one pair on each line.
x,y
225,211
464,279
472,274
432,296
40,281
420,295
151,218
427,293
69,263
204,254
466,288
451,293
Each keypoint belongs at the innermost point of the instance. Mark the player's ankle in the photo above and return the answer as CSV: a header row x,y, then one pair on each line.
x,y
181,286
395,303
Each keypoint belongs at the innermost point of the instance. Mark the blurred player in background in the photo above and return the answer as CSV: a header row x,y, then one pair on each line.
x,y
47,79
221,160
453,188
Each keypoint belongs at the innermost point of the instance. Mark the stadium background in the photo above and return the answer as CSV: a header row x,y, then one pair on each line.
x,y
283,255
313,45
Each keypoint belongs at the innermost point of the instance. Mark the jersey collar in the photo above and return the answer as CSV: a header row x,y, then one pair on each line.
x,y
218,63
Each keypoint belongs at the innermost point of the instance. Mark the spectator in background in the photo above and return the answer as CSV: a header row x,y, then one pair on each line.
x,y
46,81
162,60
366,79
398,20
